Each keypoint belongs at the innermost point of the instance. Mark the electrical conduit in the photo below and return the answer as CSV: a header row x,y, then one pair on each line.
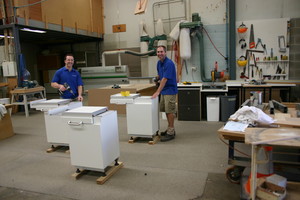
x,y
201,49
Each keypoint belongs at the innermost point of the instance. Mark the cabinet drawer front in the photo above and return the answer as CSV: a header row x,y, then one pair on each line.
x,y
189,97
189,113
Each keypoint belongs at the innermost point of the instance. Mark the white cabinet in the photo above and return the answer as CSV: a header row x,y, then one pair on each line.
x,y
94,137
56,129
143,117
142,114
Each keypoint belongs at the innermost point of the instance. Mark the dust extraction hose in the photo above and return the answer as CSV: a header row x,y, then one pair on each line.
x,y
124,51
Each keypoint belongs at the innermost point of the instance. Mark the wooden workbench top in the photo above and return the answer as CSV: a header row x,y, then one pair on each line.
x,y
138,87
264,134
8,106
27,90
3,84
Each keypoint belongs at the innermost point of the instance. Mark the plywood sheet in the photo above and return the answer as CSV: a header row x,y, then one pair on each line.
x,y
274,136
78,14
140,7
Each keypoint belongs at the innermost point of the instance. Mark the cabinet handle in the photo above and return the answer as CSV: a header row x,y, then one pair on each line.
x,y
75,123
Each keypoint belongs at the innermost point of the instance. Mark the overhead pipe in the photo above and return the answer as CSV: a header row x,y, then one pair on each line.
x,y
119,52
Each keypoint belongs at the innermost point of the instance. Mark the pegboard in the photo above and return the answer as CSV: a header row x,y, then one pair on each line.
x,y
273,63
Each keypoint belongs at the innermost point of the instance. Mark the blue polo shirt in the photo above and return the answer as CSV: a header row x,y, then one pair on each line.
x,y
72,78
166,69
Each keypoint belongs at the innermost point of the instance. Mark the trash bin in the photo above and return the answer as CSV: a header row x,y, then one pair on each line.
x,y
227,107
213,108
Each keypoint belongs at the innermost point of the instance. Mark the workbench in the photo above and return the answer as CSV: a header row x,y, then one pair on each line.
x,y
28,94
101,96
287,135
257,138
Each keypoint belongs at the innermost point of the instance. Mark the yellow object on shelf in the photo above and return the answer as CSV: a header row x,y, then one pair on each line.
x,y
125,93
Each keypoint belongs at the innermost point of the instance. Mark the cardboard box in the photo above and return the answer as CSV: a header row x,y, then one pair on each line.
x,y
269,191
6,129
101,96
277,180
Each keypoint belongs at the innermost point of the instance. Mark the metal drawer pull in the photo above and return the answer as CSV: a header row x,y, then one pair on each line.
x,y
75,123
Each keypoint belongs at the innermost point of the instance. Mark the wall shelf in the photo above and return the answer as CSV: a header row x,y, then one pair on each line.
x,y
273,61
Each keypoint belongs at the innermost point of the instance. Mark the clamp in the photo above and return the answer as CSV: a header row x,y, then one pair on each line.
x,y
262,45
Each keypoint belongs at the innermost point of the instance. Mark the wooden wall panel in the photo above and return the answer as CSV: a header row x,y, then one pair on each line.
x,y
98,18
85,15
35,11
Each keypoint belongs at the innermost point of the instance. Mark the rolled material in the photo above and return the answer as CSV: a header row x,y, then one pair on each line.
x,y
175,32
143,32
162,42
185,43
144,47
160,27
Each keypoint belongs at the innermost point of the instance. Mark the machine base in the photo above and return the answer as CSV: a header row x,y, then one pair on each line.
x,y
106,175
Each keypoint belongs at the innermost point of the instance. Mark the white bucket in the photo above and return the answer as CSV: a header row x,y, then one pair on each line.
x,y
4,101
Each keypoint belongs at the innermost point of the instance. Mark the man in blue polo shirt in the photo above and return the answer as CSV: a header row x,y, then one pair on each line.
x,y
67,76
168,90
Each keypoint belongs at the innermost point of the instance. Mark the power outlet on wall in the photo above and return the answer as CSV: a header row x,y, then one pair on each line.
x,y
194,69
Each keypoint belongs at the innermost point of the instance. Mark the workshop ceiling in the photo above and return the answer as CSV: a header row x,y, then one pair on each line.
x,y
52,37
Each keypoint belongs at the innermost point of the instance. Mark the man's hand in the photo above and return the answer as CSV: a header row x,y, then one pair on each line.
x,y
62,88
155,95
80,98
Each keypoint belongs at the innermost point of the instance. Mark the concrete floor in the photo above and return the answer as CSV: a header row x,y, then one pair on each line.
x,y
191,167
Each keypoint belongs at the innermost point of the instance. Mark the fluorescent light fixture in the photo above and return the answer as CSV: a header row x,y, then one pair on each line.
x,y
2,36
32,30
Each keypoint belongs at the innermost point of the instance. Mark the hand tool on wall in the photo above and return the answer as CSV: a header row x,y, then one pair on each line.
x,y
253,65
260,74
249,64
278,71
251,40
259,41
281,43
271,54
288,34
247,57
283,72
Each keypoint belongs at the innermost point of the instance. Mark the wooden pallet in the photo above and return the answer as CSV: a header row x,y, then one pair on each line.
x,y
58,148
102,179
153,140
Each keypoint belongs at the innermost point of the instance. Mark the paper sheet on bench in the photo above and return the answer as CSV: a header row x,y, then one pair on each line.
x,y
235,126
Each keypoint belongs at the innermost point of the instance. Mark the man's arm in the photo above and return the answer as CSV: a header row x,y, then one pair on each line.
x,y
80,98
58,86
160,88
